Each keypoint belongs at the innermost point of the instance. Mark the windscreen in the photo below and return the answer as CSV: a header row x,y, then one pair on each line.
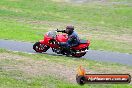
x,y
51,34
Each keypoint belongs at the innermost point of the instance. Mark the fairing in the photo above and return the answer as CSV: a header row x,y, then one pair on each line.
x,y
62,38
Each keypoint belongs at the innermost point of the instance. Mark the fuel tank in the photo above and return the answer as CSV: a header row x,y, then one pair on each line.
x,y
61,37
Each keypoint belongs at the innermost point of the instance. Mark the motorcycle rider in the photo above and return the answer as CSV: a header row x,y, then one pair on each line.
x,y
73,39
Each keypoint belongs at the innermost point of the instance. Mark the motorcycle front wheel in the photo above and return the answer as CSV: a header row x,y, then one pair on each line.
x,y
38,47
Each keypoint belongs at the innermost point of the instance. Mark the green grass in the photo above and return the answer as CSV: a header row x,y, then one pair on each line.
x,y
69,61
93,14
17,17
10,29
15,78
17,22
111,46
8,81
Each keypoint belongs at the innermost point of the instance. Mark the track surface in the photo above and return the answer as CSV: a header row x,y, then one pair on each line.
x,y
104,56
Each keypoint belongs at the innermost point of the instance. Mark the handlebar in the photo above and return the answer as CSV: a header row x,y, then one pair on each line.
x,y
63,31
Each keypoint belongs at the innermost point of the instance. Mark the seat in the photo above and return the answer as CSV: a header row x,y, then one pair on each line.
x,y
83,41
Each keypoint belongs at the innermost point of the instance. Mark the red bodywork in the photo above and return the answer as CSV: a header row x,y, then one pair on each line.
x,y
62,38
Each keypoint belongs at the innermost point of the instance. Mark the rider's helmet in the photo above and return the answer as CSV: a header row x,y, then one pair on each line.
x,y
69,29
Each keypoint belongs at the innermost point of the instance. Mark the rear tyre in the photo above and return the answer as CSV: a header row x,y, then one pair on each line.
x,y
38,47
79,54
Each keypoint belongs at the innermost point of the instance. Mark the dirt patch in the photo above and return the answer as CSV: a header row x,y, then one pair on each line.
x,y
126,38
38,68
85,31
79,1
49,68
104,2
53,25
11,56
44,67
14,0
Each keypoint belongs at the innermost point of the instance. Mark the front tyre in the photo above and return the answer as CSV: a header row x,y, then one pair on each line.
x,y
38,47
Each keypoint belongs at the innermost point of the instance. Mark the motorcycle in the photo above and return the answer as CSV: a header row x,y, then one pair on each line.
x,y
52,40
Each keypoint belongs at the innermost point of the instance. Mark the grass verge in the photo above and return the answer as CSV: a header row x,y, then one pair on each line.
x,y
107,25
44,71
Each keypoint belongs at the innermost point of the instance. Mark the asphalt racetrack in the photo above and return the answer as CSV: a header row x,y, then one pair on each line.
x,y
102,56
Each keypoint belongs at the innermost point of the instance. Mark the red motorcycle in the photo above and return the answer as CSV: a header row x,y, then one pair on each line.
x,y
52,40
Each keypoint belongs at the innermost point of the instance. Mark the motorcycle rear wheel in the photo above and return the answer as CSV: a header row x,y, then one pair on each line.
x,y
79,54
